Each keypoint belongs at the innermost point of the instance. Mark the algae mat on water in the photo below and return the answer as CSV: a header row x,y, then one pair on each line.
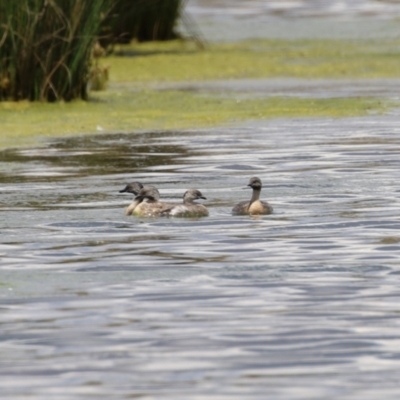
x,y
139,105
180,61
23,123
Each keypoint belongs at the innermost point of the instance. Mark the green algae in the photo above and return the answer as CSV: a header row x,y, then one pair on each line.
x,y
180,61
23,123
134,103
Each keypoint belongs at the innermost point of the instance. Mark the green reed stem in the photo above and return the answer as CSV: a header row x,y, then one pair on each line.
x,y
45,48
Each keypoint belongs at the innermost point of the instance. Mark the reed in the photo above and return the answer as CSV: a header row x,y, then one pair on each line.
x,y
143,20
45,48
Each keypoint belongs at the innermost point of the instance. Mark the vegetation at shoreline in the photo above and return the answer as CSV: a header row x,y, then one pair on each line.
x,y
147,20
135,101
45,48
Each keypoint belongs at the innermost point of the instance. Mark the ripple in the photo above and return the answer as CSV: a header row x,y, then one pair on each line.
x,y
303,302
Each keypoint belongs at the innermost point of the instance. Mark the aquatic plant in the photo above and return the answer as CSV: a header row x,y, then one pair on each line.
x,y
143,20
45,48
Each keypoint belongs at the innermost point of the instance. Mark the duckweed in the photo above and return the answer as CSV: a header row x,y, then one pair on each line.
x,y
23,123
180,61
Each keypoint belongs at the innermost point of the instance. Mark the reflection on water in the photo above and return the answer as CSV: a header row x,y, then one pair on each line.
x,y
86,155
299,304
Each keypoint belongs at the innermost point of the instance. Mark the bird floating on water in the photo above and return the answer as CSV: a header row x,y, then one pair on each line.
x,y
255,206
189,208
147,203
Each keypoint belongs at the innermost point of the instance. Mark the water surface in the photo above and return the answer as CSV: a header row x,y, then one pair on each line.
x,y
227,20
301,304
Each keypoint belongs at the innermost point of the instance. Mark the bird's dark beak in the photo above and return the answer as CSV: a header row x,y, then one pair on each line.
x,y
124,190
202,197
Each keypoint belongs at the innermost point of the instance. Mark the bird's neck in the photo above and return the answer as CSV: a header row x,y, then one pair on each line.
x,y
132,206
255,196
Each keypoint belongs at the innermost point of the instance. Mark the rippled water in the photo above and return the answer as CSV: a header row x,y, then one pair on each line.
x,y
301,304
293,19
297,8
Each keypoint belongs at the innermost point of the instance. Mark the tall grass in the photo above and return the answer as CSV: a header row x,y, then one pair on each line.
x,y
143,20
45,48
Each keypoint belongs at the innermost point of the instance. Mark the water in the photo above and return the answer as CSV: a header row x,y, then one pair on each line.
x,y
301,304
297,8
225,20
